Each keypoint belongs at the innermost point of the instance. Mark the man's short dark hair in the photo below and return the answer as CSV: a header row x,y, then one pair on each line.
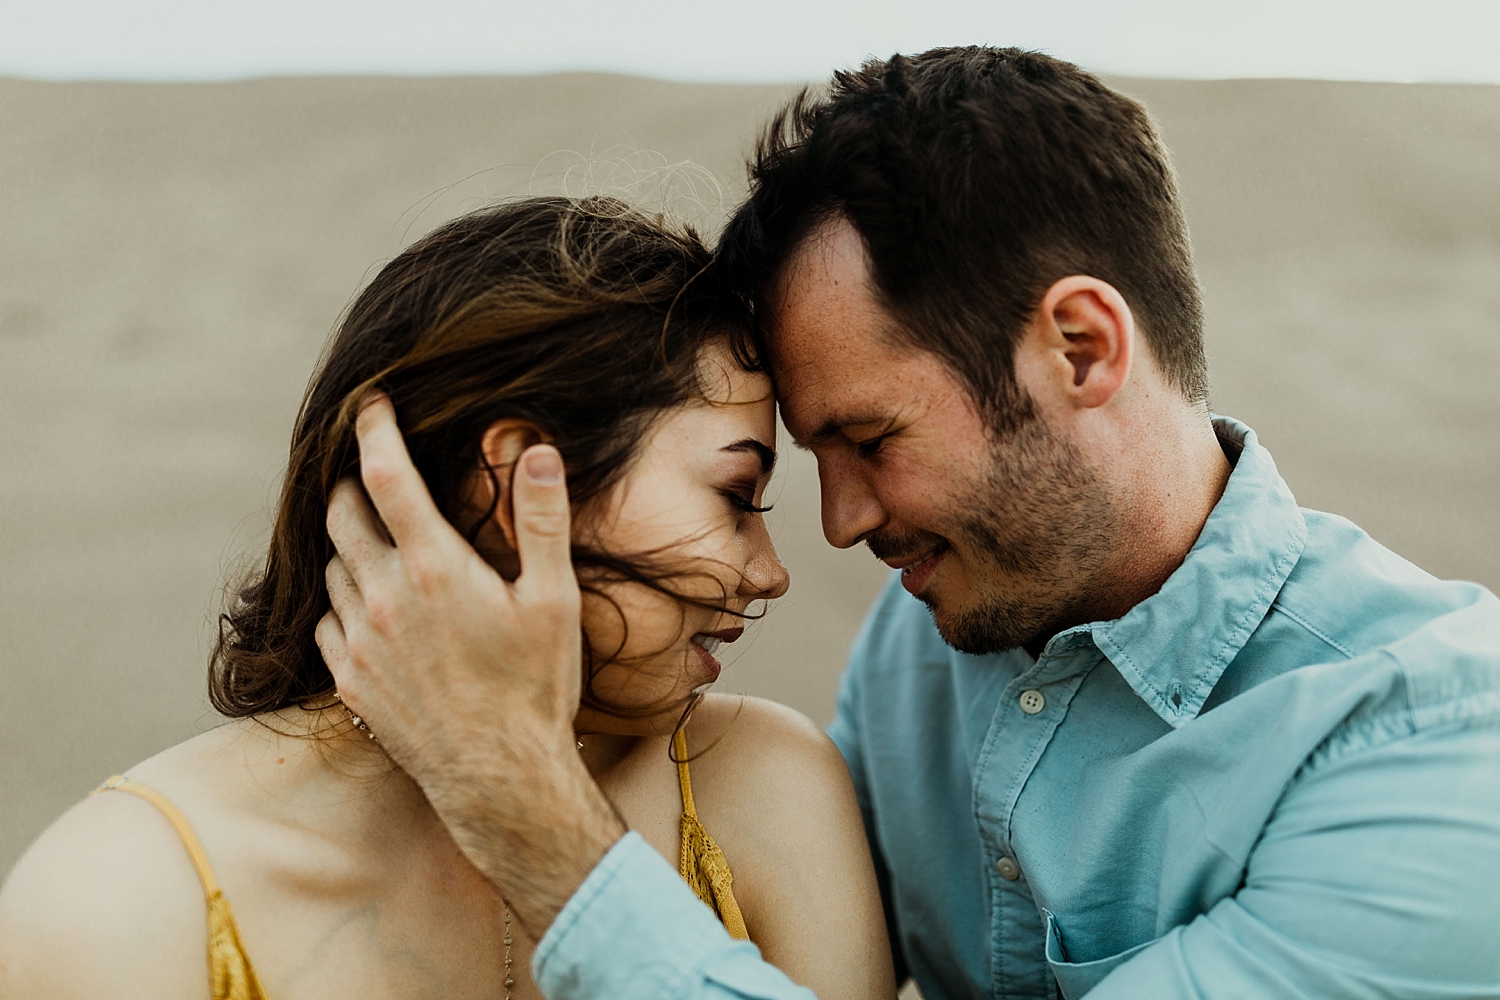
x,y
978,177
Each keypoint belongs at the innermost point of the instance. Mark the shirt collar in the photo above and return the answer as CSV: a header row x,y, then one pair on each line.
x,y
1172,647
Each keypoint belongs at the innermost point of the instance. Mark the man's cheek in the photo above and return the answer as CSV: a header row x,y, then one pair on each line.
x,y
913,502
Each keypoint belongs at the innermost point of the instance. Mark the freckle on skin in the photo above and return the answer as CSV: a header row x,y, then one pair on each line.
x,y
281,760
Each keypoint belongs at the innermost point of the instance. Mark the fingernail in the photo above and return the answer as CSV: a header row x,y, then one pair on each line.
x,y
544,466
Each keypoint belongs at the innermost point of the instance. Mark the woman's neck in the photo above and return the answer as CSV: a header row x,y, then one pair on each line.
x,y
602,752
333,777
325,774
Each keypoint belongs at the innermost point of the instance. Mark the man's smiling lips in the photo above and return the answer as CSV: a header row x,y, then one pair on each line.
x,y
917,569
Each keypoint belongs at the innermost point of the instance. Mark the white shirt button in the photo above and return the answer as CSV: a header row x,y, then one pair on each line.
x,y
1008,869
1033,701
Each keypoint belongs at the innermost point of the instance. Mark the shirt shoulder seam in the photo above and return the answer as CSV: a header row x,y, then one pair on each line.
x,y
1313,630
1374,732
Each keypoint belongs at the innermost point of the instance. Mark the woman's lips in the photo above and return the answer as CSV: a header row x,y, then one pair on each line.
x,y
710,664
916,574
705,644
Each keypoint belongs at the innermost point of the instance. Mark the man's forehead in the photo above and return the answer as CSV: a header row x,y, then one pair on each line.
x,y
830,256
832,344
825,308
824,384
824,371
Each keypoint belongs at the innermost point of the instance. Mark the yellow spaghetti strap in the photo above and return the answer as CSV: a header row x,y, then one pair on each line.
x,y
703,865
684,778
230,974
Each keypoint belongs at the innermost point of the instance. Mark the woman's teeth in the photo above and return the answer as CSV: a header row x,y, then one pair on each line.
x,y
709,643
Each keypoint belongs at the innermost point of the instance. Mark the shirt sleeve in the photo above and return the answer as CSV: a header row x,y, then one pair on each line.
x,y
1376,877
635,931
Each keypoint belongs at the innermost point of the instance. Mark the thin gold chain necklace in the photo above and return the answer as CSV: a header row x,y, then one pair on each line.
x,y
509,982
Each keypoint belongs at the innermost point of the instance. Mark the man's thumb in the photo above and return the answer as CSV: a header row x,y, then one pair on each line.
x,y
543,537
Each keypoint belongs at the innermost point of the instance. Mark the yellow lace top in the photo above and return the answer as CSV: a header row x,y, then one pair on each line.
x,y
231,976
702,864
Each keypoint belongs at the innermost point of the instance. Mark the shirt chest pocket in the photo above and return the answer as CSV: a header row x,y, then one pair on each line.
x,y
1077,978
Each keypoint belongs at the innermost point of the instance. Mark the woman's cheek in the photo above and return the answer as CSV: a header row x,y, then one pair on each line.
x,y
644,631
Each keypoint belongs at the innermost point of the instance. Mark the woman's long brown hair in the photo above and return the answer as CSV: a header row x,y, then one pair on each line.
x,y
585,317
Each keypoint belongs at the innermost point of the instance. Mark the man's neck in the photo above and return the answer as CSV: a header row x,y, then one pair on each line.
x,y
1165,501
1164,485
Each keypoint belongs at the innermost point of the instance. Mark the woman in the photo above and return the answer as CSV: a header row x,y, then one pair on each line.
x,y
601,331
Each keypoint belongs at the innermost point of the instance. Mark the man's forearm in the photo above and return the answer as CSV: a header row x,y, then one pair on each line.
x,y
535,827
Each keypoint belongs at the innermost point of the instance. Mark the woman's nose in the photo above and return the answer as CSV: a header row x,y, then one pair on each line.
x,y
765,577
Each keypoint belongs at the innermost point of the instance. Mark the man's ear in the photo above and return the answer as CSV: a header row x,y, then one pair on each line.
x,y
500,449
1080,344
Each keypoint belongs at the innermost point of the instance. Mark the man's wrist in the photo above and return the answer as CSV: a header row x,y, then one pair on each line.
x,y
587,827
536,828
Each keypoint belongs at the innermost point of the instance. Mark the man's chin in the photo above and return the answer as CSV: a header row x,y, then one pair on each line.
x,y
990,627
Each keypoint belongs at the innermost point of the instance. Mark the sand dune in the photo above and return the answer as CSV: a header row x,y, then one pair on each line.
x,y
172,256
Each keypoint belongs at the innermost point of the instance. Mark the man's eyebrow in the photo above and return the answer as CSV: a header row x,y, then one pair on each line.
x,y
834,426
764,452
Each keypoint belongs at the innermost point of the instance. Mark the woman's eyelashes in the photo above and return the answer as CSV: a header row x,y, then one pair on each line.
x,y
743,500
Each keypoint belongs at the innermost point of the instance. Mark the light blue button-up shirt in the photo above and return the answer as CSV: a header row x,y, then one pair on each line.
x,y
1277,777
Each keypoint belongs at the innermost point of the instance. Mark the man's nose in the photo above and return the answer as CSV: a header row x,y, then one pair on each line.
x,y
850,508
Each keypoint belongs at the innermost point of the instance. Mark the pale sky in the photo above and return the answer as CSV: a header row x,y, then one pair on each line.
x,y
765,41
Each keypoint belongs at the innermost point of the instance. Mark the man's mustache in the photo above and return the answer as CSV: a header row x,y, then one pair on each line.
x,y
901,544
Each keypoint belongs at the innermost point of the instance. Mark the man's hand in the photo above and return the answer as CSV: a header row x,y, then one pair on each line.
x,y
471,683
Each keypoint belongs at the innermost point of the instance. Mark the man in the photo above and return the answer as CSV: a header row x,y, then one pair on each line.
x,y
1157,732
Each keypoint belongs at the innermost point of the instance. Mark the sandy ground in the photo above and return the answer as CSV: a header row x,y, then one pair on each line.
x,y
172,257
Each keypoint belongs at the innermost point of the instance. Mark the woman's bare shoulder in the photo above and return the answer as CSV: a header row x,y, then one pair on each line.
x,y
759,733
775,794
764,775
104,904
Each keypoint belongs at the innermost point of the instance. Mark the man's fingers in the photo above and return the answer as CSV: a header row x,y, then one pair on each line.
x,y
343,591
394,485
355,529
334,645
543,534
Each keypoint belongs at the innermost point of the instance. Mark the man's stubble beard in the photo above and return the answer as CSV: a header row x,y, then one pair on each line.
x,y
1036,534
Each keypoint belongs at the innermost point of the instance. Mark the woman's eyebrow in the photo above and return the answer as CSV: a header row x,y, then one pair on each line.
x,y
763,451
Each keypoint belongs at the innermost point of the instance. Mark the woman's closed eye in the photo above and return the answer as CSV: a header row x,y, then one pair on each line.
x,y
744,501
